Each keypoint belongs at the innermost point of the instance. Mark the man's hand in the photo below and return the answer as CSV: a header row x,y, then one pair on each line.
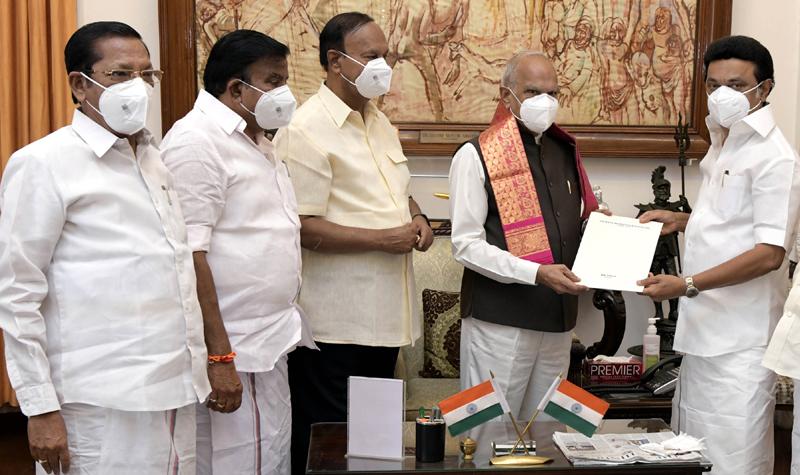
x,y
559,278
663,287
400,240
606,212
226,388
667,218
47,437
424,232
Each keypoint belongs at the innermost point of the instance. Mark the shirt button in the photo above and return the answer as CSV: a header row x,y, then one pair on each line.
x,y
789,314
558,213
565,243
156,199
689,244
712,182
169,234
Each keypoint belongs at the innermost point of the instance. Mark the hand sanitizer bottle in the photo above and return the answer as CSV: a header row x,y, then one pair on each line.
x,y
652,345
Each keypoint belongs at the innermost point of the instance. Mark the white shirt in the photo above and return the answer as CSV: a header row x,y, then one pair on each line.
x,y
757,204
351,171
783,352
240,208
469,206
97,286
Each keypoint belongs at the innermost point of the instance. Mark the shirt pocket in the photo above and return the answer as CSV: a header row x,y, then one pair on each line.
x,y
731,193
399,182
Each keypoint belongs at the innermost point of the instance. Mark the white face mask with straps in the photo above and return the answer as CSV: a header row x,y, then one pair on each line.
x,y
538,113
727,106
374,80
124,105
274,108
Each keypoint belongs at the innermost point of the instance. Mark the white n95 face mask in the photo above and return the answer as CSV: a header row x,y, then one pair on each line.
x,y
538,112
275,108
726,106
124,106
374,80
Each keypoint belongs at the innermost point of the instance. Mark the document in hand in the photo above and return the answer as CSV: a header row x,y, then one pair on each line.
x,y
615,252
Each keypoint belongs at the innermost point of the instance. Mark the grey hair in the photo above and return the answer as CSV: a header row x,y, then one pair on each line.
x,y
510,72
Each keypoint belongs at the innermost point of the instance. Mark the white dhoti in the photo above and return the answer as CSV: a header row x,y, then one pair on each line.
x,y
730,401
524,362
256,438
108,441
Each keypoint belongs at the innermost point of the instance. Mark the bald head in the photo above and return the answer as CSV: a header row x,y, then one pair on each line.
x,y
509,78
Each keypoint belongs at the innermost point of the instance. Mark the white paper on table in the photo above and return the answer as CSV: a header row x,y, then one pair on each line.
x,y
375,416
615,252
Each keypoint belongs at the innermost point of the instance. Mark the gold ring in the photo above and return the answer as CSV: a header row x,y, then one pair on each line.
x,y
418,238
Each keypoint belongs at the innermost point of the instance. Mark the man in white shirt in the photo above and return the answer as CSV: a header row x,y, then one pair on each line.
x,y
736,240
359,228
244,231
517,238
104,336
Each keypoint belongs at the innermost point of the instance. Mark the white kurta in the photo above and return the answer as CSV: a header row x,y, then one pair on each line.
x,y
240,209
749,196
525,362
98,295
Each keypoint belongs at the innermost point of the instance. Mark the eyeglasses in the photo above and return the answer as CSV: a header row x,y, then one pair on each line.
x,y
122,75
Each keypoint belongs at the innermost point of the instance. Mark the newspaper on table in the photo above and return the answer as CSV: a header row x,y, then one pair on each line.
x,y
616,449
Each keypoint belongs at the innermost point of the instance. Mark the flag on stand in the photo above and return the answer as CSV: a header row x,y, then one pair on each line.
x,y
473,407
573,406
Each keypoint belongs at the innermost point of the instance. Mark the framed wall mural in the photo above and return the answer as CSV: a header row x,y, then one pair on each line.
x,y
627,68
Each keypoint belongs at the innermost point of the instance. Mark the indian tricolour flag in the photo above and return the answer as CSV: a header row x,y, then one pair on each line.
x,y
473,407
573,406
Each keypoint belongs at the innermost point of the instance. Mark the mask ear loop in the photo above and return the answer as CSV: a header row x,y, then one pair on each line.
x,y
252,87
354,60
87,99
758,96
520,103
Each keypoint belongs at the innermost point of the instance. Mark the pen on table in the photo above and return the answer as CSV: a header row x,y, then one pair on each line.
x,y
723,177
169,199
569,187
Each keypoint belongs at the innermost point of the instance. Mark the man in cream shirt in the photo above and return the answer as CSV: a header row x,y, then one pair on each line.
x,y
359,228
244,231
103,332
735,263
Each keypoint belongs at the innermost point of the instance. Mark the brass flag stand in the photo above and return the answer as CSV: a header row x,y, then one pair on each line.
x,y
520,460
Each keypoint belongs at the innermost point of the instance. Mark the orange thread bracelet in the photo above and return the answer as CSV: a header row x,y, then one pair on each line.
x,y
222,359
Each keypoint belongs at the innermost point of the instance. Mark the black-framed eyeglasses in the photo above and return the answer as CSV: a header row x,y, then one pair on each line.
x,y
122,75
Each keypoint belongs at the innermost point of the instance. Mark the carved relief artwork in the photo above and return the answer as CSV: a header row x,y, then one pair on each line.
x,y
619,62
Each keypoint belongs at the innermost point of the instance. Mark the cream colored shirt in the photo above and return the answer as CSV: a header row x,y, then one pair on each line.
x,y
352,172
783,352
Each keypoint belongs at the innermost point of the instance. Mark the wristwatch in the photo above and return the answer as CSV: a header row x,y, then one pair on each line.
x,y
691,290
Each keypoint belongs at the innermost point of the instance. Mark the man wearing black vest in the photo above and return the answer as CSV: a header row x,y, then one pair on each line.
x,y
518,196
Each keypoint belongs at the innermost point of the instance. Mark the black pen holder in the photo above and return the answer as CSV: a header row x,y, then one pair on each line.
x,y
430,441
